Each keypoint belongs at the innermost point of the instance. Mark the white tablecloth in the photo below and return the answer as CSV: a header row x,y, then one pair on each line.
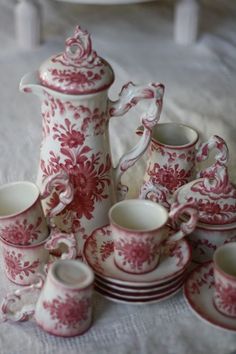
x,y
200,85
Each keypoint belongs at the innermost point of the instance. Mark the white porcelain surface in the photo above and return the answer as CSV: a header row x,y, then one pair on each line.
x,y
139,301
137,289
137,294
73,89
99,254
198,292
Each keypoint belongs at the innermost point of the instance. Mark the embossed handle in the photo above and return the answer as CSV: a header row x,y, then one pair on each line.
x,y
216,176
57,238
130,96
156,192
185,227
61,182
24,312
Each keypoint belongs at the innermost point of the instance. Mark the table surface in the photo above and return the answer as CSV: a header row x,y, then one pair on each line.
x,y
200,85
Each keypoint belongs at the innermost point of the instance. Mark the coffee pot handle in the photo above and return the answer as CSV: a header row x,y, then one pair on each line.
x,y
23,313
129,97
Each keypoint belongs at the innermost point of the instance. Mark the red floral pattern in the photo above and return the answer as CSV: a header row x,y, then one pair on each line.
x,y
106,249
21,233
83,79
171,177
88,174
16,266
51,106
201,280
225,297
69,311
136,252
212,212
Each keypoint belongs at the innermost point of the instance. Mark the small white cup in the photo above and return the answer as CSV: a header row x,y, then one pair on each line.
x,y
22,221
64,305
22,263
139,228
224,260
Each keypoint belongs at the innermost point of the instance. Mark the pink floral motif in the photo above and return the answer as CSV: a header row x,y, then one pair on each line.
x,y
206,278
16,266
175,251
81,78
136,253
106,249
21,232
69,311
93,118
225,297
213,212
68,136
170,177
202,245
88,176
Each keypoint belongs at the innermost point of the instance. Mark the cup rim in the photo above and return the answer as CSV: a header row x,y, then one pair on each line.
x,y
174,147
78,286
217,266
138,201
10,216
31,245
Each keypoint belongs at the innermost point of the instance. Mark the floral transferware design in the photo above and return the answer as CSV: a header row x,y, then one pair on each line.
x,y
135,252
225,297
69,311
21,232
171,177
16,266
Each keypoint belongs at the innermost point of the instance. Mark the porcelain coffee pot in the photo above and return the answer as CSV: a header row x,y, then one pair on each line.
x,y
75,149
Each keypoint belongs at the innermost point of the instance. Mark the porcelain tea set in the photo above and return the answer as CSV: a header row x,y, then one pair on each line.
x,y
130,250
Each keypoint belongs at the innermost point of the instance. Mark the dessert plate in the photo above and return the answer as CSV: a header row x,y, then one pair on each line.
x,y
198,292
118,288
145,295
139,300
98,252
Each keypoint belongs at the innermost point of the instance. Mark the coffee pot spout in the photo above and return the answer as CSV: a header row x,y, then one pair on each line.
x,y
30,84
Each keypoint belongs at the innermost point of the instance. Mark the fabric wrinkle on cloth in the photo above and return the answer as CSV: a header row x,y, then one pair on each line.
x,y
200,91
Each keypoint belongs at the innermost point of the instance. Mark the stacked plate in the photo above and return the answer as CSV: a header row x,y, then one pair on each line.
x,y
113,283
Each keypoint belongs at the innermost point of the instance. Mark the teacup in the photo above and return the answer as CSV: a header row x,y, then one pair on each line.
x,y
139,228
22,263
64,305
22,221
224,261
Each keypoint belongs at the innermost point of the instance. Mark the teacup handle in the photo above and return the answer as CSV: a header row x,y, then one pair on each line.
x,y
129,96
61,181
185,227
25,311
57,237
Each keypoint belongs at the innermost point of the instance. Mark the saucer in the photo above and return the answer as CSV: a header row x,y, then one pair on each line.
x,y
99,254
140,300
198,292
139,290
137,294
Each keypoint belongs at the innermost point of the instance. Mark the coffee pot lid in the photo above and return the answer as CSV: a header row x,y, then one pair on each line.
x,y
213,193
78,70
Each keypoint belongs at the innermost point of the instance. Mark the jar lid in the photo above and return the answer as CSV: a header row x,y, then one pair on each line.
x,y
78,70
213,194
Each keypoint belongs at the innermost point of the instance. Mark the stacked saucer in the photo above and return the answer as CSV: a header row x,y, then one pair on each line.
x,y
119,286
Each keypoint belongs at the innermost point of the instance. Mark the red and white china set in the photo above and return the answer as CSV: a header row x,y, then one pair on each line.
x,y
120,286
131,251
